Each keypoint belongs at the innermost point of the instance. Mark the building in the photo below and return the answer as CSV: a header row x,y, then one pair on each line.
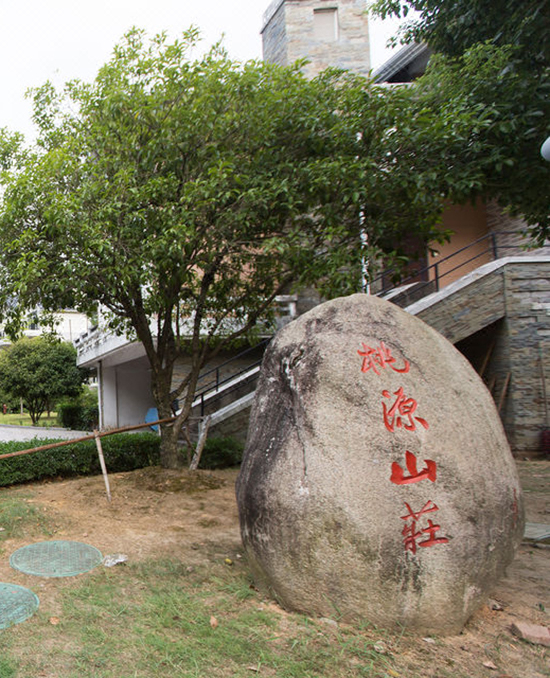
x,y
69,326
482,290
324,32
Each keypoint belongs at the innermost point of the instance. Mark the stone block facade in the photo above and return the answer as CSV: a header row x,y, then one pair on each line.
x,y
509,233
460,311
505,309
234,427
326,32
527,293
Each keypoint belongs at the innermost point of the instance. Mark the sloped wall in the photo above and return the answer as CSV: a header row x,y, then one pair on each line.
x,y
518,292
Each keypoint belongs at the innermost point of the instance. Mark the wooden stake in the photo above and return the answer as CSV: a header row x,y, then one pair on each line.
x,y
486,359
200,444
504,391
102,463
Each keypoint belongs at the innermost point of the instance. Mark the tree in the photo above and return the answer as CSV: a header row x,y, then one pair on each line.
x,y
184,196
493,53
40,371
453,26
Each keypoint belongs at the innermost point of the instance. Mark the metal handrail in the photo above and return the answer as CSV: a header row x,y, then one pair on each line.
x,y
214,384
218,395
492,248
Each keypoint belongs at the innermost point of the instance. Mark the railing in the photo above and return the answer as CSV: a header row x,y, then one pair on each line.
x,y
424,281
211,381
235,389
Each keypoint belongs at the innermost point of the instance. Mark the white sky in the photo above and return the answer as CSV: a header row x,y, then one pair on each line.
x,y
59,40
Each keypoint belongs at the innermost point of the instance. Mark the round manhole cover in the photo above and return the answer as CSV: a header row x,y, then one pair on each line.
x,y
56,558
16,604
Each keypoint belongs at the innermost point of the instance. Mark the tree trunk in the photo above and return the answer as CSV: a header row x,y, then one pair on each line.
x,y
171,456
161,388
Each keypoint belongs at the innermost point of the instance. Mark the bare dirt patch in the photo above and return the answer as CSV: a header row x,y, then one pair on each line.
x,y
153,512
156,513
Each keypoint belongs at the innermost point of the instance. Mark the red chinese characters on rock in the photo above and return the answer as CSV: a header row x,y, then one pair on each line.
x,y
401,413
398,475
412,533
380,358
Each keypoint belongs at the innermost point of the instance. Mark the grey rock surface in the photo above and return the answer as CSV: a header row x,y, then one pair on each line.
x,y
377,482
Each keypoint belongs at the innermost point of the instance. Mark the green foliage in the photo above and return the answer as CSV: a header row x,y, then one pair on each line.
x,y
505,147
123,452
39,371
453,26
221,452
184,196
12,403
81,413
492,55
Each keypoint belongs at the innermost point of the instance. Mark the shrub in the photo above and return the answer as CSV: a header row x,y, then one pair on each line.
x,y
221,452
77,416
122,452
80,414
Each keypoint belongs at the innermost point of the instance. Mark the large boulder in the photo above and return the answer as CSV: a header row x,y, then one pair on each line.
x,y
377,482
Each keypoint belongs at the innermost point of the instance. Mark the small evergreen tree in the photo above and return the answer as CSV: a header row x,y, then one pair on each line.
x,y
40,371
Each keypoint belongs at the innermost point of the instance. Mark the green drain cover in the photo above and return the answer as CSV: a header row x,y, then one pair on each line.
x,y
16,604
56,558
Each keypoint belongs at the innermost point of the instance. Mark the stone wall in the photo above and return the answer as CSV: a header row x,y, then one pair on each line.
x,y
227,362
274,37
235,426
517,293
289,34
460,310
509,232
527,290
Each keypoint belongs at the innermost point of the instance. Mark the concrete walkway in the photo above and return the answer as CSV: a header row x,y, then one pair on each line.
x,y
10,433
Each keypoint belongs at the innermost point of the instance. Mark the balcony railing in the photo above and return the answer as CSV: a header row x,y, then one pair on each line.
x,y
420,282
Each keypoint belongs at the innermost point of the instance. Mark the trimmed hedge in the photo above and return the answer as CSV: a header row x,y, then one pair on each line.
x,y
122,452
78,417
221,452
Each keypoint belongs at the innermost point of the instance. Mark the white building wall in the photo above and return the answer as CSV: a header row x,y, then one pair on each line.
x,y
71,325
125,394
108,410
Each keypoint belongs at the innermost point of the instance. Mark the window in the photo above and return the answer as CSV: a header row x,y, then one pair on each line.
x,y
325,24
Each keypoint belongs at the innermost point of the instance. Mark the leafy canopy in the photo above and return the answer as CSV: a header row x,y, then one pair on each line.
x,y
183,196
453,26
40,370
496,54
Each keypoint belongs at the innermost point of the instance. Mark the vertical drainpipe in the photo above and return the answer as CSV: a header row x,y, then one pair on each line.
x,y
364,238
365,284
100,393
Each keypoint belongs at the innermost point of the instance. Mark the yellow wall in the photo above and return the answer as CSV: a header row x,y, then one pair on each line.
x,y
468,223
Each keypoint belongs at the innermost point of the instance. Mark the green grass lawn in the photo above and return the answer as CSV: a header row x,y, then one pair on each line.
x,y
18,419
169,619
